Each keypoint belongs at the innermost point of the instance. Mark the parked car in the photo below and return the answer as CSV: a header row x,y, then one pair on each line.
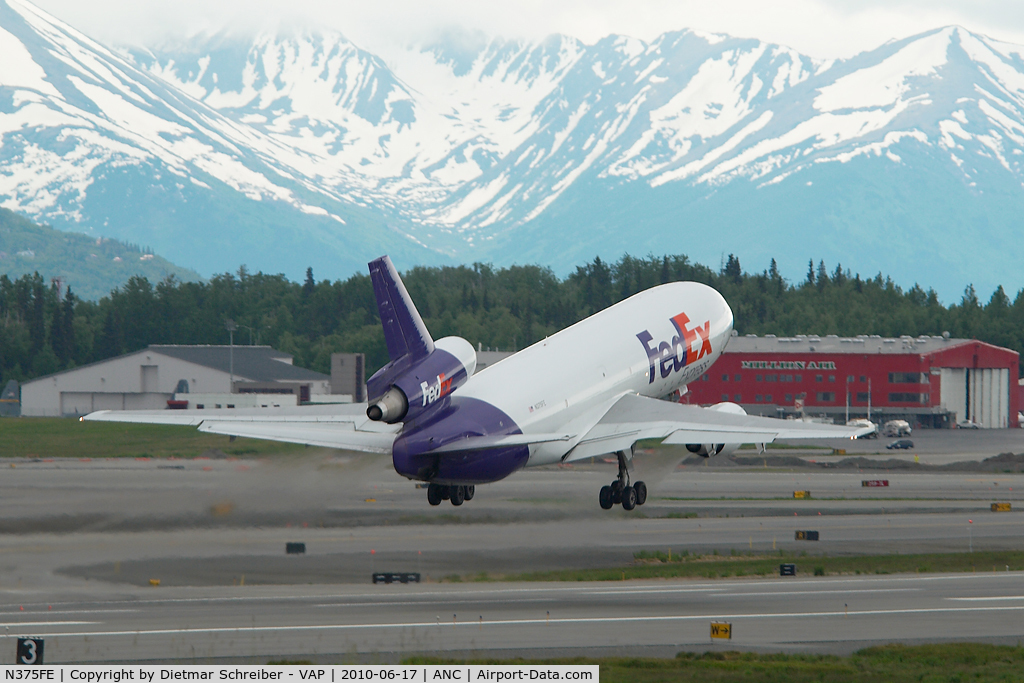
x,y
900,445
862,422
967,424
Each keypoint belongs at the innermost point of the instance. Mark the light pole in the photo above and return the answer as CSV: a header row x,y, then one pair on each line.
x,y
258,332
869,399
230,326
847,399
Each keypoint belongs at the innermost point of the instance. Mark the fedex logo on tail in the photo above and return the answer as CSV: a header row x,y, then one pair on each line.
x,y
432,392
669,357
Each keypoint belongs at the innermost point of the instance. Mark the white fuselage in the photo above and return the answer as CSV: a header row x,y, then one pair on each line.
x,y
650,344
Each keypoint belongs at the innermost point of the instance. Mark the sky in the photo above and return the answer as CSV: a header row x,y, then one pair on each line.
x,y
819,28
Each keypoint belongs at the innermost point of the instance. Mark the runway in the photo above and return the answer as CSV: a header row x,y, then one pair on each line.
x,y
81,540
380,623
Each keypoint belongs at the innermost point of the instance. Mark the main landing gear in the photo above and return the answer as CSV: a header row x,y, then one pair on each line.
x,y
457,494
621,491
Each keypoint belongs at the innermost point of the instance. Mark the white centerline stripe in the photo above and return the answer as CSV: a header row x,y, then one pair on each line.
x,y
531,622
423,603
763,593
1002,597
19,624
71,612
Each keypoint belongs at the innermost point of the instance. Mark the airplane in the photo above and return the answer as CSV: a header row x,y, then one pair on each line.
x,y
592,389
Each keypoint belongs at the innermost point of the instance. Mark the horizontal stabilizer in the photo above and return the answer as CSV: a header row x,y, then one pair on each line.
x,y
331,426
479,443
310,434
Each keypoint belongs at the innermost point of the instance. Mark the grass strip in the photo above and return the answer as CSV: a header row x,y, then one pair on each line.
x,y
956,662
809,500
56,437
659,565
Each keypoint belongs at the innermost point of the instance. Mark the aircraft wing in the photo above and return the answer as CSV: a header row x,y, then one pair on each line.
x,y
635,417
335,426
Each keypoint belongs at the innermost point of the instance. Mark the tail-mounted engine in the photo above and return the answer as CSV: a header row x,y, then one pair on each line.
x,y
401,395
421,373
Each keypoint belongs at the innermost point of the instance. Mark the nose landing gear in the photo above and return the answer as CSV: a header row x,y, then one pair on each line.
x,y
620,491
457,494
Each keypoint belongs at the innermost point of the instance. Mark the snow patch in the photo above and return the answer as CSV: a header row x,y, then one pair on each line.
x,y
885,83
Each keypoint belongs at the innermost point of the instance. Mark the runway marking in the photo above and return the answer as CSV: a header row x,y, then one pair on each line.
x,y
812,586
48,623
792,523
807,593
73,611
531,622
1002,597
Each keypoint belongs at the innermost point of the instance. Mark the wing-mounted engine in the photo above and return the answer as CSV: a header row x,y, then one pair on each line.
x,y
422,373
712,449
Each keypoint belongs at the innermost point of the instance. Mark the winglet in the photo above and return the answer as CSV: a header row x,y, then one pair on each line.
x,y
404,331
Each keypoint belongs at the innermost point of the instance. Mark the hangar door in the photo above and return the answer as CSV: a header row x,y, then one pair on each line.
x,y
989,399
75,403
981,395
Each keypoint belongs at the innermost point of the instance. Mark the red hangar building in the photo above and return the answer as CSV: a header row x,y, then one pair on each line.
x,y
928,381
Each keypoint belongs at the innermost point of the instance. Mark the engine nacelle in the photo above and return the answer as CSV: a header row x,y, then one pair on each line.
x,y
711,449
402,391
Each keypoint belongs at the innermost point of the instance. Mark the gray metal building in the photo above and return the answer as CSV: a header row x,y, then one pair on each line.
x,y
146,379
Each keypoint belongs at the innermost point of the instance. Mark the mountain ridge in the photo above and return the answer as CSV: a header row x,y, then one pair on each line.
x,y
903,159
89,267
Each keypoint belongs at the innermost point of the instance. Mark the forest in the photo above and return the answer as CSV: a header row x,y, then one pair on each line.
x,y
44,329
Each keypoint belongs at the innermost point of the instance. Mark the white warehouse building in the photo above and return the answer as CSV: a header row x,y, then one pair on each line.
x,y
147,379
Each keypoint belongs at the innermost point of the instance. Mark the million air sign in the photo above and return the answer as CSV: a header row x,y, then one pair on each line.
x,y
787,365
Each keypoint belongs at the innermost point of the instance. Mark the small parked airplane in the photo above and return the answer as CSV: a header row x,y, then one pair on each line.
x,y
592,389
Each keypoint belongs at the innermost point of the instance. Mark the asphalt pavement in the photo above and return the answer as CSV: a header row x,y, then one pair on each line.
x,y
81,542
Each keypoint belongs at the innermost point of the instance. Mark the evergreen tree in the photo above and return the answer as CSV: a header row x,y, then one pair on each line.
x,y
497,308
309,286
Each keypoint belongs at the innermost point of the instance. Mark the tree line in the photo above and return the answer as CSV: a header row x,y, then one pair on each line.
x,y
44,329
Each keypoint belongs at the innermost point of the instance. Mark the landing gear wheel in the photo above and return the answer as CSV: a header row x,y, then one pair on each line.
x,y
616,487
458,495
470,491
434,494
619,491
628,498
641,492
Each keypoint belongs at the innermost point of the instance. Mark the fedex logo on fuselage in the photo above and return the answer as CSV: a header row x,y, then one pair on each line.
x,y
432,392
669,357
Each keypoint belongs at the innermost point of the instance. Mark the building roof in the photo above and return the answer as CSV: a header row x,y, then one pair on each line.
x,y
864,343
254,363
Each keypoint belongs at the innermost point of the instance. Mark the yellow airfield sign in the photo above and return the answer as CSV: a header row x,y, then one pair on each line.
x,y
721,629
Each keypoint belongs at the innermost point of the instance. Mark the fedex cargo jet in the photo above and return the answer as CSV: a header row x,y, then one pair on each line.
x,y
591,389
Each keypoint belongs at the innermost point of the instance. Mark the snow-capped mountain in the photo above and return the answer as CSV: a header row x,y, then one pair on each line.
x,y
303,148
88,141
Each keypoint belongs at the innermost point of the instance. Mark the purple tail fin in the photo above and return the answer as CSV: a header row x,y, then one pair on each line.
x,y
404,331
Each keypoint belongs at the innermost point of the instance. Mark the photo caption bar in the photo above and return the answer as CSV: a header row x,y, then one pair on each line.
x,y
415,673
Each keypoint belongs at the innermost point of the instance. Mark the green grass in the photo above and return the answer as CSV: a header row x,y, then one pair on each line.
x,y
952,663
56,437
787,447
813,499
658,565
